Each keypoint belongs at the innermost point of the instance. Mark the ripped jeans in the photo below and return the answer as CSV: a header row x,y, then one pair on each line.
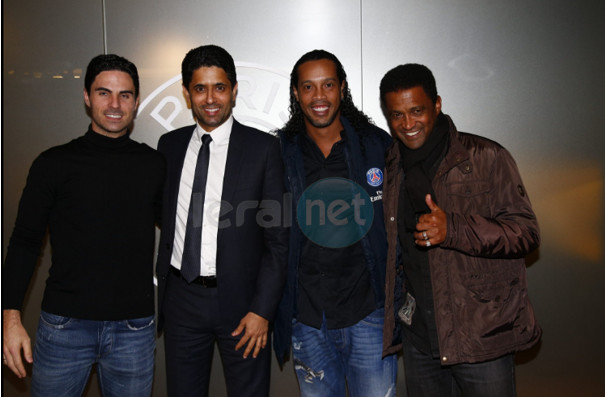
x,y
327,361
67,348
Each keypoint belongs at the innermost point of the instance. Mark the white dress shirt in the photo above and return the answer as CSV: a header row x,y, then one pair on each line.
x,y
212,201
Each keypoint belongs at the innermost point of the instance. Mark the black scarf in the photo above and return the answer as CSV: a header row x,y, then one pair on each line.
x,y
420,166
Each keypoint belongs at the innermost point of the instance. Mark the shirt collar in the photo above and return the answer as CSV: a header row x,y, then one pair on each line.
x,y
220,135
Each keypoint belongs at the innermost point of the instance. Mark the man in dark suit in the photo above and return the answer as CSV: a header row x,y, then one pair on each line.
x,y
222,256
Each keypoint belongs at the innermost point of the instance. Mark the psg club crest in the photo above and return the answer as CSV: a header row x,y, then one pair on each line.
x,y
374,177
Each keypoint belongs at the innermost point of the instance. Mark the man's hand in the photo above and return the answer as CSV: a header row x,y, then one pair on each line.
x,y
15,339
431,228
257,329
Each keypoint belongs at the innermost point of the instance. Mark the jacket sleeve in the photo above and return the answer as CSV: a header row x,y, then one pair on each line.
x,y
272,273
160,202
497,222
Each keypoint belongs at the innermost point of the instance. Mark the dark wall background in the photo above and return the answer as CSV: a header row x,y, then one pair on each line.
x,y
527,74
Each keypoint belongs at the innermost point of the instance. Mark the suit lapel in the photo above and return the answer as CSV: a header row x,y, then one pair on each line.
x,y
235,155
235,159
179,150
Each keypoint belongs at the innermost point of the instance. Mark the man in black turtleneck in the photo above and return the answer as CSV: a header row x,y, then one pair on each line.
x,y
457,211
99,196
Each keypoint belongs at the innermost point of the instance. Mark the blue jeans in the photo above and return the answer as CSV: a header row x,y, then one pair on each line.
x,y
324,359
426,377
66,349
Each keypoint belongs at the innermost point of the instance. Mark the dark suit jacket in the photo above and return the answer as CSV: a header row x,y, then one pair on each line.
x,y
252,239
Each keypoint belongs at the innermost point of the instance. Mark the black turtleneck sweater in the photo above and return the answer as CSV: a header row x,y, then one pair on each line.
x,y
99,197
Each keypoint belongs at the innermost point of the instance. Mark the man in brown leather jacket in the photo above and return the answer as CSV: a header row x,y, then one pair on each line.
x,y
457,212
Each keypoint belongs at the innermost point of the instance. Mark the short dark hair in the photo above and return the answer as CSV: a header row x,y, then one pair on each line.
x,y
106,62
207,55
296,122
407,76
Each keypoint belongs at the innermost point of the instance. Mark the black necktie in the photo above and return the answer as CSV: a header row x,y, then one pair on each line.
x,y
190,263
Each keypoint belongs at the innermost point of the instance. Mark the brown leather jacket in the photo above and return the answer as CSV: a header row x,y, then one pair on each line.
x,y
478,273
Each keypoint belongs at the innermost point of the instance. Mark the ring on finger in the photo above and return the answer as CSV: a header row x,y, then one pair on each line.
x,y
428,243
424,235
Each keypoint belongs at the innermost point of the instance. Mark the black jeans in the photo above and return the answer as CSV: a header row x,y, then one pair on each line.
x,y
426,377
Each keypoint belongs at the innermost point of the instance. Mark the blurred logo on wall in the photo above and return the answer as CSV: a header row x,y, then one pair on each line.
x,y
262,101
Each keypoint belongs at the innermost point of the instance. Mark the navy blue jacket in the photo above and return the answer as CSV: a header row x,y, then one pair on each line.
x,y
364,150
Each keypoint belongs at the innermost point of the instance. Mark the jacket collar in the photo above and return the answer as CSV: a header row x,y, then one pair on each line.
x,y
291,150
456,156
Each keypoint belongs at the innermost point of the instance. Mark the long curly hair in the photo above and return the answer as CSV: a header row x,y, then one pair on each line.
x,y
356,117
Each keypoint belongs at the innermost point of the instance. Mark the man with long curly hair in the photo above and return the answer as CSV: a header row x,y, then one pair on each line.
x,y
332,311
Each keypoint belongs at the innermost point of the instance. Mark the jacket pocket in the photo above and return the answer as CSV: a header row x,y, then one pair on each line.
x,y
468,197
495,298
